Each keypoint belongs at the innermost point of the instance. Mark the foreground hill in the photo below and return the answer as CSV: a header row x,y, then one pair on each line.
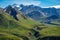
x,y
11,29
25,28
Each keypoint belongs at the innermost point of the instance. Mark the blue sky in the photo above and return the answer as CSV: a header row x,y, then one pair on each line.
x,y
41,3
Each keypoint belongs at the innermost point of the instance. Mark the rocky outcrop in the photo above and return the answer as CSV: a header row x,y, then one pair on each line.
x,y
11,11
50,38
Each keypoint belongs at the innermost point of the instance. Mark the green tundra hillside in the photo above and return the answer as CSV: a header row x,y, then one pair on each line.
x,y
24,28
11,29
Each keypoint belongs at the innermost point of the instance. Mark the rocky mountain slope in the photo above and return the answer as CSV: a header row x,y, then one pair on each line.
x,y
24,28
38,13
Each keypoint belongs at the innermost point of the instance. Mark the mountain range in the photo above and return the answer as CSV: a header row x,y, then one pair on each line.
x,y
29,23
35,12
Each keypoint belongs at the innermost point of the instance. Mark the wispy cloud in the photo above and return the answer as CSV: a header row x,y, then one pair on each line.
x,y
41,3
32,3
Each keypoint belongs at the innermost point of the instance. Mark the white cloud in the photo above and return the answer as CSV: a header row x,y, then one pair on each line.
x,y
57,6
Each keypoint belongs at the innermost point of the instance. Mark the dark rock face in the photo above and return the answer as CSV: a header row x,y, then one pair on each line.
x,y
35,33
50,38
24,38
36,15
11,11
39,39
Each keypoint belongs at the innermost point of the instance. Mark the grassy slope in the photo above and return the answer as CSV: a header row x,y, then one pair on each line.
x,y
50,31
6,27
9,27
12,29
